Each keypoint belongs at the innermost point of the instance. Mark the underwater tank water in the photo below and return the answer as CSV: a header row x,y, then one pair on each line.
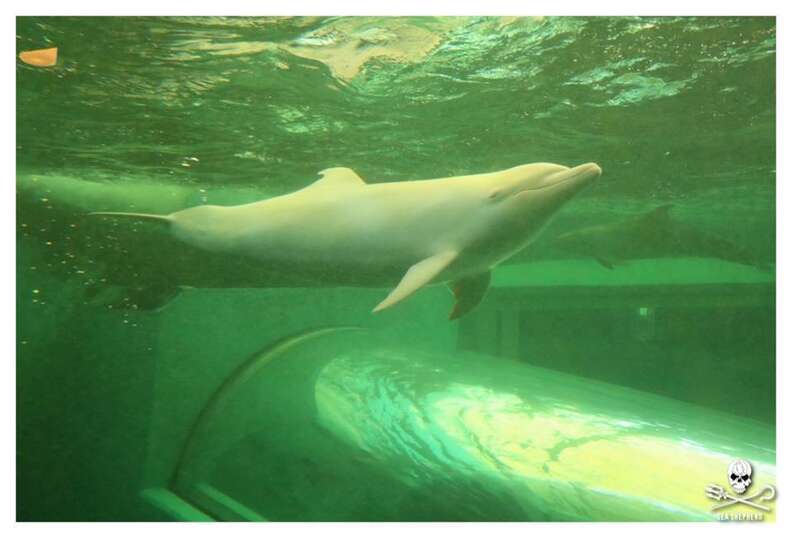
x,y
172,370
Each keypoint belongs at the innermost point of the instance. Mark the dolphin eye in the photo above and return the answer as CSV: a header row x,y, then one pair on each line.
x,y
497,194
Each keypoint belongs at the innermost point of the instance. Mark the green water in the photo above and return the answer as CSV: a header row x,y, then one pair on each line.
x,y
161,114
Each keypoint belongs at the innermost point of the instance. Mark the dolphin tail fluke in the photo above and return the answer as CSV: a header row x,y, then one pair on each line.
x,y
137,216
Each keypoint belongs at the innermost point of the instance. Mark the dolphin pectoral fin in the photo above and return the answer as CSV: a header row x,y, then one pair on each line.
x,y
338,177
611,263
606,263
418,276
469,292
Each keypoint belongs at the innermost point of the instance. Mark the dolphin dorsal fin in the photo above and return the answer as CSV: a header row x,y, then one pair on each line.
x,y
660,212
657,216
339,177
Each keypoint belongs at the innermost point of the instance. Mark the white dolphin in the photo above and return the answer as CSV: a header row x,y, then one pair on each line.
x,y
406,234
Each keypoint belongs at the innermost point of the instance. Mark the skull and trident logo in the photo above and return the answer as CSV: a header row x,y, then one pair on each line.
x,y
740,480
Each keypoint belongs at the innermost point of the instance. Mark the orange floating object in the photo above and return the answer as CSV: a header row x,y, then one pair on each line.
x,y
41,57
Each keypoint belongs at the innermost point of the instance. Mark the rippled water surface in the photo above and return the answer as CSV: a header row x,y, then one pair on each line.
x,y
670,107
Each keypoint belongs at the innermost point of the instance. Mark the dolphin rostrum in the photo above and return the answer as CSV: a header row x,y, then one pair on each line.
x,y
409,234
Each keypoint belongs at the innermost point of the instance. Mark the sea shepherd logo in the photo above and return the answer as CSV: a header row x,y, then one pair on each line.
x,y
740,479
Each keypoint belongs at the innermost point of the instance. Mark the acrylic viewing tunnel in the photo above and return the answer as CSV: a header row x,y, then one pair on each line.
x,y
338,424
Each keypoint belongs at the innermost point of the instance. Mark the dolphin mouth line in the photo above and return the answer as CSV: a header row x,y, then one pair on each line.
x,y
574,173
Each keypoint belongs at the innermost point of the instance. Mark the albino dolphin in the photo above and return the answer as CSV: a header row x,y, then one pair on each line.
x,y
407,234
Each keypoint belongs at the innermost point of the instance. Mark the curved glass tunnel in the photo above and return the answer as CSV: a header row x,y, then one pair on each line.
x,y
340,425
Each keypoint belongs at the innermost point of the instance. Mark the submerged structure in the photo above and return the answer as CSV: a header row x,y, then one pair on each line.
x,y
338,424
